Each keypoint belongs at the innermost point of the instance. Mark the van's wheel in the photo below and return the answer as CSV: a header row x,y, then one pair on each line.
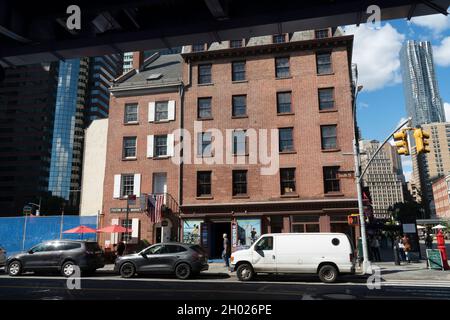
x,y
328,273
15,269
245,272
183,271
127,270
68,268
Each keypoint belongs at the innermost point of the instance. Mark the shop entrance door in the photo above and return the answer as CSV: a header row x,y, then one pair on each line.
x,y
216,240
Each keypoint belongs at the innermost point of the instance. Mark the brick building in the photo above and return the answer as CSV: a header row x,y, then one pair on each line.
x,y
297,87
441,195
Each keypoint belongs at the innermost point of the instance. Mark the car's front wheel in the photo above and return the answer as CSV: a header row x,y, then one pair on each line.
x,y
245,272
183,271
127,270
15,268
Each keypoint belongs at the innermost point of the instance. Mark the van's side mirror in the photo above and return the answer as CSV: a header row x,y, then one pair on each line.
x,y
30,251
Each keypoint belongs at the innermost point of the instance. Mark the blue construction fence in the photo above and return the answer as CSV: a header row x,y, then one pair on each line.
x,y
41,228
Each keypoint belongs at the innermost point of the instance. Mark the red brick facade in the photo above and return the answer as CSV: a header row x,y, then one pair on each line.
x,y
263,207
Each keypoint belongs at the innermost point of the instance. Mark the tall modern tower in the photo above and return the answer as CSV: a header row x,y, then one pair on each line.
x,y
423,102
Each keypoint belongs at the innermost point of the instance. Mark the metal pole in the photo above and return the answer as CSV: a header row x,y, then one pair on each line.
x,y
366,263
126,219
62,221
24,233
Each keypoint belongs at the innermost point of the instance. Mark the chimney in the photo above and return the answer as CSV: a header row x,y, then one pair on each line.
x,y
138,59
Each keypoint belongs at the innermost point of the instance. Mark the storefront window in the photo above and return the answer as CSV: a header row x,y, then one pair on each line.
x,y
305,223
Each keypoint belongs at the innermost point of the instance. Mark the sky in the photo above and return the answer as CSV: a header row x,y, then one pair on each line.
x,y
381,103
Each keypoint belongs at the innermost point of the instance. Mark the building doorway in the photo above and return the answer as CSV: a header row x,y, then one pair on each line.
x,y
216,238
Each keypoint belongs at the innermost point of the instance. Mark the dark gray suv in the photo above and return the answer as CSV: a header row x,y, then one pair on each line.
x,y
183,260
58,255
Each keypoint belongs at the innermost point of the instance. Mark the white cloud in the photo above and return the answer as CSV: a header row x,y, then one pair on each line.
x,y
447,111
407,167
441,53
376,51
407,175
435,22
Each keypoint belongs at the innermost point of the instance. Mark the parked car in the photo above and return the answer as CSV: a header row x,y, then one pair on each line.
x,y
325,254
183,260
2,257
58,255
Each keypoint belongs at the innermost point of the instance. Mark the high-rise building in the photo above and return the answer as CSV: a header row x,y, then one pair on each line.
x,y
423,102
127,61
384,177
82,96
27,102
102,71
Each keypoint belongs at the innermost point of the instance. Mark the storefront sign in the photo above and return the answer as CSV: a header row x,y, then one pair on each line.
x,y
124,210
234,236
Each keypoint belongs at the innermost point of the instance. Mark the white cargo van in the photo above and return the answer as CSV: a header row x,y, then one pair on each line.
x,y
325,254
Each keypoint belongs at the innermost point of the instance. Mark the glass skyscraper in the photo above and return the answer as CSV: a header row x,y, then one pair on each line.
x,y
423,102
68,128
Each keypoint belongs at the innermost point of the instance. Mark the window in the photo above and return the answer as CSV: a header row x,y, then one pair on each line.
x,y
129,147
279,38
239,142
238,71
239,182
161,111
160,146
198,47
326,98
283,102
131,113
287,180
265,243
236,43
239,106
69,246
282,67
203,183
156,249
204,73
286,142
322,33
170,248
204,144
305,227
126,236
329,139
324,63
204,108
127,185
331,181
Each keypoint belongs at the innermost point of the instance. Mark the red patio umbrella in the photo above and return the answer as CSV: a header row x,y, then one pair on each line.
x,y
80,229
114,229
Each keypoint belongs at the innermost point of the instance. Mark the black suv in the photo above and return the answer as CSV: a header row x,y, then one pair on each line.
x,y
183,260
58,255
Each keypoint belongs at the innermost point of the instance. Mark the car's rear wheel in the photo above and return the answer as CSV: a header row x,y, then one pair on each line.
x,y
328,273
15,268
68,269
127,270
245,272
183,271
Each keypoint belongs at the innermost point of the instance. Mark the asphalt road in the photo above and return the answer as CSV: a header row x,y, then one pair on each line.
x,y
208,287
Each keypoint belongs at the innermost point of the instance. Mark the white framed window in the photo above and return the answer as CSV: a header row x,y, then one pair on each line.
x,y
160,111
131,113
127,184
160,146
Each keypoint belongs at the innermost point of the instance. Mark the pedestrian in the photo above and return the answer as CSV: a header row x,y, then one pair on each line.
x,y
120,249
407,247
375,248
401,248
226,250
429,241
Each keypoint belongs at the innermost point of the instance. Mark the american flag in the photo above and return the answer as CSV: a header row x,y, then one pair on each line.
x,y
155,203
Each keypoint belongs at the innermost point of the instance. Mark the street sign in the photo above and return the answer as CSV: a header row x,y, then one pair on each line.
x,y
434,259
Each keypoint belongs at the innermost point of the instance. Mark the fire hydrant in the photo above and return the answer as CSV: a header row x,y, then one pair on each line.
x,y
441,246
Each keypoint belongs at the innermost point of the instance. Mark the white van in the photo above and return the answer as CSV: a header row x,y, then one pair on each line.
x,y
325,254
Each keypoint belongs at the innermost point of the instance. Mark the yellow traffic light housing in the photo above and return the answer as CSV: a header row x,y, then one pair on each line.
x,y
401,142
422,144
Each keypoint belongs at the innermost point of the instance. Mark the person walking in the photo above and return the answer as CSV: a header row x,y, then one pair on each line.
x,y
401,248
429,241
226,250
407,247
120,249
376,249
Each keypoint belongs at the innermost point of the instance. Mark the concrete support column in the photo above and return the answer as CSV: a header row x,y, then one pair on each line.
x,y
324,223
286,224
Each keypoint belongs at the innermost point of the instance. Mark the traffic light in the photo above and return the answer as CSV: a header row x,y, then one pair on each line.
x,y
401,142
421,141
353,219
